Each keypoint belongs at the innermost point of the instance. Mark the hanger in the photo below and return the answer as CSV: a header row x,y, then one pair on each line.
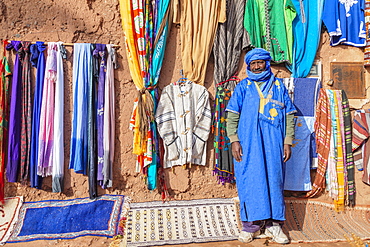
x,y
183,79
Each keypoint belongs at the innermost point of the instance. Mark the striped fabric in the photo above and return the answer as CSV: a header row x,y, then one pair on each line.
x,y
360,144
323,133
230,39
348,149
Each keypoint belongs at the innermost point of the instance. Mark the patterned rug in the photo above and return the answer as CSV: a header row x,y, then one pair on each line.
x,y
9,212
181,222
67,219
314,221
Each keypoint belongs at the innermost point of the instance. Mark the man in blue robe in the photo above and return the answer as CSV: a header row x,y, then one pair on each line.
x,y
260,126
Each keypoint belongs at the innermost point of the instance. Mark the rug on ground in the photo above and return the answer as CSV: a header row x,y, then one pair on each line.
x,y
9,212
180,222
315,221
67,219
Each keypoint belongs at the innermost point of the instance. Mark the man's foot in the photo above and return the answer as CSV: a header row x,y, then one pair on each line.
x,y
276,234
247,237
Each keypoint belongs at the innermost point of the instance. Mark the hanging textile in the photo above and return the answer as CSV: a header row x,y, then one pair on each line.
x,y
184,119
92,158
24,56
100,54
198,24
145,44
348,150
46,133
58,147
323,135
82,77
5,74
360,143
14,143
269,26
367,23
38,61
109,119
306,33
230,39
345,21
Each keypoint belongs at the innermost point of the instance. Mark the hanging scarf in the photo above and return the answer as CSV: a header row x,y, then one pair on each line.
x,y
100,53
348,148
58,148
230,39
146,40
14,144
26,110
38,61
46,133
323,133
109,119
4,115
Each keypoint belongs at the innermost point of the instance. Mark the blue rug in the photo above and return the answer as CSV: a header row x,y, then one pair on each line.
x,y
67,219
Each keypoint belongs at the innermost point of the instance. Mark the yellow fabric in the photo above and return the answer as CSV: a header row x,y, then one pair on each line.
x,y
132,56
263,100
339,204
198,24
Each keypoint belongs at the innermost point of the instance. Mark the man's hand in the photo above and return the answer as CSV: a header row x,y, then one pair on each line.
x,y
237,151
287,152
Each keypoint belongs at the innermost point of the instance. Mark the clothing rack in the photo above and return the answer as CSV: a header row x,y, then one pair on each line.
x,y
66,44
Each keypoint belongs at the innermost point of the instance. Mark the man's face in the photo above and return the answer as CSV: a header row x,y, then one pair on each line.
x,y
257,66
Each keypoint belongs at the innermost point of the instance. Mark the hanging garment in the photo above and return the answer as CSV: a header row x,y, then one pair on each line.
x,y
198,24
367,24
184,118
5,74
259,176
46,133
109,118
82,77
230,39
297,168
100,53
15,116
360,143
24,56
345,22
58,147
306,33
269,26
38,61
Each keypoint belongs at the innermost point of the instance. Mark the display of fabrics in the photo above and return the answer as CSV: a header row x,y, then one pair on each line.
x,y
367,23
335,162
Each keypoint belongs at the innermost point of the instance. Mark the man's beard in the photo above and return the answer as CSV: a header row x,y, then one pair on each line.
x,y
258,70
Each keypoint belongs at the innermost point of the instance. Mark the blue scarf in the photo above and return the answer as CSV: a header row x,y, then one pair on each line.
x,y
258,54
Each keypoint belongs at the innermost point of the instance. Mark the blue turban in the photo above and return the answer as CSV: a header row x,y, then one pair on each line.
x,y
258,54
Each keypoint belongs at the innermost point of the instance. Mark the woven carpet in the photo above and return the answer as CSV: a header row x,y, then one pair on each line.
x,y
9,212
180,222
314,221
67,219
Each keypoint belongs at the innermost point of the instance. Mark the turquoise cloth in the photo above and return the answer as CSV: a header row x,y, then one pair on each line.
x,y
306,33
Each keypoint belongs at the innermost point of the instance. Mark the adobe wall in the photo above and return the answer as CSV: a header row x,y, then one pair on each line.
x,y
92,21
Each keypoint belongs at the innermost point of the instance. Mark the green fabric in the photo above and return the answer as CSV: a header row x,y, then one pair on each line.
x,y
271,28
232,126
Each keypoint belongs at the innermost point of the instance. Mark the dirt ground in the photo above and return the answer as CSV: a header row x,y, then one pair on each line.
x,y
97,21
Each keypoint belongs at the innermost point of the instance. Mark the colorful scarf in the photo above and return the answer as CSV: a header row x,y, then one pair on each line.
x,y
145,44
323,134
4,115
